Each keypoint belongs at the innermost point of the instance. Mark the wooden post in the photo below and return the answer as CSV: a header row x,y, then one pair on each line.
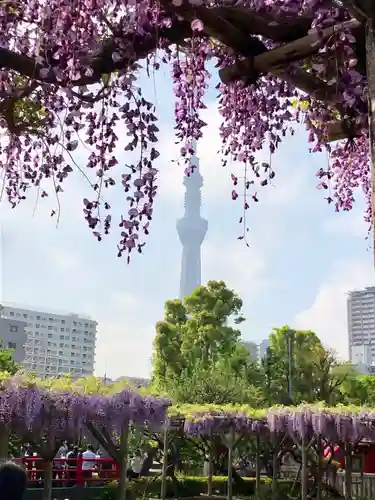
x,y
123,465
348,471
209,479
257,466
275,446
48,478
304,468
163,491
4,444
230,461
318,477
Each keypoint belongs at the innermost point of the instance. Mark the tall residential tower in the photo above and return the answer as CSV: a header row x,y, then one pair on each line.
x,y
361,326
55,344
192,229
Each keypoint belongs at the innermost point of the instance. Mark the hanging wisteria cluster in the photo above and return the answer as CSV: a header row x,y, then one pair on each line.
x,y
333,424
33,410
68,80
216,422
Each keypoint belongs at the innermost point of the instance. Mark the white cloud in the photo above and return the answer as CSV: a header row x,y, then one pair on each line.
x,y
124,346
242,268
347,224
327,315
125,301
64,260
289,187
215,177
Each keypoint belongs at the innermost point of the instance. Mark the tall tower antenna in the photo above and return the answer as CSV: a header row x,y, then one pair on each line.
x,y
192,229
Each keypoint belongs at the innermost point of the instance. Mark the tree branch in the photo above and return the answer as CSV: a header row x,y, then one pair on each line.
x,y
108,445
100,62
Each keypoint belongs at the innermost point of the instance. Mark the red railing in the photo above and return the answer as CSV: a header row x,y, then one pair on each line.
x,y
103,470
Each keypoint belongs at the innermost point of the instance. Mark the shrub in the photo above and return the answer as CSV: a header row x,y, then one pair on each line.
x,y
190,486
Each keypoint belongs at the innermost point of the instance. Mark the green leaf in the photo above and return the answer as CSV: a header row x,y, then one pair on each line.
x,y
106,78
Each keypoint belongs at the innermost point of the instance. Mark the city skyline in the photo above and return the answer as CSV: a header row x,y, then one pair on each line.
x,y
302,260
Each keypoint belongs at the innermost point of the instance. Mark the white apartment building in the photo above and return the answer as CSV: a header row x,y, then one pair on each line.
x,y
361,325
56,344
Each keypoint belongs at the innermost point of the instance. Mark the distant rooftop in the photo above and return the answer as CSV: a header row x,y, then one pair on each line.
x,y
370,289
137,381
44,310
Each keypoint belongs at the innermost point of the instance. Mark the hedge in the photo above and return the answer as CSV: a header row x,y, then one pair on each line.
x,y
190,486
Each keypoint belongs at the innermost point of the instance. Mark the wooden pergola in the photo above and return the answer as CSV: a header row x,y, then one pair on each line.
x,y
238,27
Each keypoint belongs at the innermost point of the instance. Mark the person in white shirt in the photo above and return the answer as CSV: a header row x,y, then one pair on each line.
x,y
136,464
88,463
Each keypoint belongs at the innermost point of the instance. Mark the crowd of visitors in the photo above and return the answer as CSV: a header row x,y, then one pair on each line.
x,y
73,464
15,477
70,458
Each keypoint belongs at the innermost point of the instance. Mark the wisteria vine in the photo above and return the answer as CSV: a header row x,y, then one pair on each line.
x,y
68,81
334,424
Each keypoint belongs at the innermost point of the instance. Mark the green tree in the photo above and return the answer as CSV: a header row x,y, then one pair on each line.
x,y
7,363
358,389
301,355
197,329
330,377
218,385
198,356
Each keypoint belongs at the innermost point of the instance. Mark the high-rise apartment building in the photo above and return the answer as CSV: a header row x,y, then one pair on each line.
x,y
361,323
56,344
13,336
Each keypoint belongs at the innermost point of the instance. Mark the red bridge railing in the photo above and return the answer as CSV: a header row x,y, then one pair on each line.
x,y
69,472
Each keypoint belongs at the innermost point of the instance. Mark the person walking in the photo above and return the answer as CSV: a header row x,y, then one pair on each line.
x,y
136,464
59,463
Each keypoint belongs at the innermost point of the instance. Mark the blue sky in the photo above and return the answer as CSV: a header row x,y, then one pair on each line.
x,y
302,259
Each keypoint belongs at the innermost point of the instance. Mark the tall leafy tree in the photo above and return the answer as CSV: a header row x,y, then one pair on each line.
x,y
300,355
358,389
197,328
198,339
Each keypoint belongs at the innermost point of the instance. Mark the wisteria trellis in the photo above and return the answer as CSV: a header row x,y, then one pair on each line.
x,y
334,424
68,78
29,408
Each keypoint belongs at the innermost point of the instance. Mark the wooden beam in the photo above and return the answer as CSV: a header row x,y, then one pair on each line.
x,y
283,30
234,26
299,78
285,54
335,132
308,83
301,48
354,9
214,26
